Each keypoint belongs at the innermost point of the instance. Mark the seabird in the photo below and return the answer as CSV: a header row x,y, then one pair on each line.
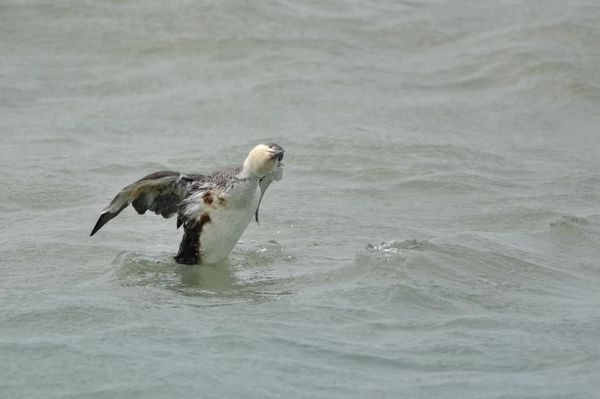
x,y
214,210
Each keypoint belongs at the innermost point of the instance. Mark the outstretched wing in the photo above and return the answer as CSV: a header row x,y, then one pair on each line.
x,y
160,192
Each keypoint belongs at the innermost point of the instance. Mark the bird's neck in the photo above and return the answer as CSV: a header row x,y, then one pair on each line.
x,y
247,171
248,177
245,188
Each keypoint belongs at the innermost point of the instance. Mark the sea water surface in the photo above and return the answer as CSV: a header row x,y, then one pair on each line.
x,y
437,233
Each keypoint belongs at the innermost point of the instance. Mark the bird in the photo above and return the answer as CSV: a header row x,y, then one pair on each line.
x,y
214,209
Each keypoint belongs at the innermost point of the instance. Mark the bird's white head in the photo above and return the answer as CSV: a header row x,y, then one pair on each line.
x,y
264,159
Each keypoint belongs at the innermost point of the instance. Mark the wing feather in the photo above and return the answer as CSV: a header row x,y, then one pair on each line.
x,y
160,192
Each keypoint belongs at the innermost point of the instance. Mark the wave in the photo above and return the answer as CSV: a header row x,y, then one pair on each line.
x,y
490,272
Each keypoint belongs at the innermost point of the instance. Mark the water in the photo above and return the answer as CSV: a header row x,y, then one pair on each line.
x,y
437,233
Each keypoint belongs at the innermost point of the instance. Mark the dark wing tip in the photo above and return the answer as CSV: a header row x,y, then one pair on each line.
x,y
102,220
256,216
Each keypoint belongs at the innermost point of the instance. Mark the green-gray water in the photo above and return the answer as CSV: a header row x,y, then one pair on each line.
x,y
437,233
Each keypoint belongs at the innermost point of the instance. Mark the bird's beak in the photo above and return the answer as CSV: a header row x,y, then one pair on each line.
x,y
277,154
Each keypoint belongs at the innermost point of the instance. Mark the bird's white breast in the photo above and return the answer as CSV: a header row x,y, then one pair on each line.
x,y
228,220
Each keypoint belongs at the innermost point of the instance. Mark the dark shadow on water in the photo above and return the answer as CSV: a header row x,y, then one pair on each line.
x,y
216,278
